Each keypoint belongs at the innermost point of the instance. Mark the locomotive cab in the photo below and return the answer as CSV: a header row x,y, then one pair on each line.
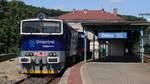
x,y
42,49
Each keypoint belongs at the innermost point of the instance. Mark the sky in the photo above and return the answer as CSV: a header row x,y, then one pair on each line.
x,y
125,7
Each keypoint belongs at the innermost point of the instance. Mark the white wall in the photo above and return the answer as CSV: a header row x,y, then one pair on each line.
x,y
76,26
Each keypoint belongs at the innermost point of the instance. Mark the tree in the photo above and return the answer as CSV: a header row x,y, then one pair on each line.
x,y
132,18
11,13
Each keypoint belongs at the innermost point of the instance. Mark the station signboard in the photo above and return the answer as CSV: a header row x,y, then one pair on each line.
x,y
106,35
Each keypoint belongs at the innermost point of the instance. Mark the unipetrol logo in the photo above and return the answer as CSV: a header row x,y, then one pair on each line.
x,y
44,42
32,43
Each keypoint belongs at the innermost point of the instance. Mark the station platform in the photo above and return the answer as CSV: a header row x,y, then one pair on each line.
x,y
107,73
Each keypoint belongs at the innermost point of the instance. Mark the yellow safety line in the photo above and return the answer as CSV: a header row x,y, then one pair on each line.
x,y
41,72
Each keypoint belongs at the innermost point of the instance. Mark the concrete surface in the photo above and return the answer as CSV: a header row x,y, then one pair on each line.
x,y
115,73
9,71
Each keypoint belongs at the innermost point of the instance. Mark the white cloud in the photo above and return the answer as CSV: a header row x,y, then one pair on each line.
x,y
116,1
59,7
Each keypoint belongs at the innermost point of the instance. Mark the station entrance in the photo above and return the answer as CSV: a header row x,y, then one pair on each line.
x,y
118,41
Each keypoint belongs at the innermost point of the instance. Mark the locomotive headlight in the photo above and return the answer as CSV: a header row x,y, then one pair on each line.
x,y
54,54
41,16
50,54
29,54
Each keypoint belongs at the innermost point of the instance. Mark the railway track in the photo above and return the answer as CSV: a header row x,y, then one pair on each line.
x,y
47,79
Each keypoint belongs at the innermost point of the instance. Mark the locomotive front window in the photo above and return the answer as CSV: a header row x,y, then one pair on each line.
x,y
51,27
41,27
31,27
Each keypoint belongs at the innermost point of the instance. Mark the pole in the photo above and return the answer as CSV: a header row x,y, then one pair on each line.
x,y
85,44
142,46
93,47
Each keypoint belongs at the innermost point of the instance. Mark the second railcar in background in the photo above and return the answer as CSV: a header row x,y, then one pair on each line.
x,y
81,47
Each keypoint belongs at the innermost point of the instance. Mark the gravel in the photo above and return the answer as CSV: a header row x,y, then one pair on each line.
x,y
9,71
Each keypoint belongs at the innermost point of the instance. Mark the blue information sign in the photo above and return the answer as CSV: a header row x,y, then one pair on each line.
x,y
112,35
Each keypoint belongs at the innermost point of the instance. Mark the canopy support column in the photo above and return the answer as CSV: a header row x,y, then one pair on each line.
x,y
85,44
93,47
142,45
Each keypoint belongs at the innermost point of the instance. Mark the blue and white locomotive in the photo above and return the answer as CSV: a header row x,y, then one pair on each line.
x,y
47,45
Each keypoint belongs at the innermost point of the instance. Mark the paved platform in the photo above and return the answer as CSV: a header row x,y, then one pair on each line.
x,y
115,73
72,75
107,73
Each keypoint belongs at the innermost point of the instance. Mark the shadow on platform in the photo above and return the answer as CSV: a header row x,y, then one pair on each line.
x,y
124,59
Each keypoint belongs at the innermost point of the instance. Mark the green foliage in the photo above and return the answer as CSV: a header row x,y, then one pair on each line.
x,y
11,13
132,18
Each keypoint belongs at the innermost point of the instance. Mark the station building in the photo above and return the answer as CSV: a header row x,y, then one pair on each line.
x,y
109,34
74,18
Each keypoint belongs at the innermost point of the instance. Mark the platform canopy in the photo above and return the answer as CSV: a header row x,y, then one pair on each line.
x,y
100,21
97,26
116,26
106,25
